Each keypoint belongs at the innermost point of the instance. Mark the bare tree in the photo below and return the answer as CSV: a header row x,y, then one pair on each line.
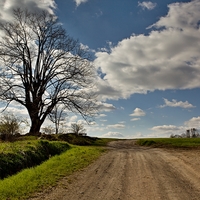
x,y
42,66
48,129
9,124
57,115
77,128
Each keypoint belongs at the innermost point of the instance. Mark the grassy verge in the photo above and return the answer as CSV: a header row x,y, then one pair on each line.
x,y
23,184
170,142
25,154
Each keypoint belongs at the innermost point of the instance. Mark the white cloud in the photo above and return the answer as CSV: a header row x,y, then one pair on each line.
x,y
147,5
86,48
73,119
175,103
167,130
122,122
116,126
193,123
113,135
14,108
138,112
105,90
181,15
167,58
102,106
7,7
135,119
102,115
78,2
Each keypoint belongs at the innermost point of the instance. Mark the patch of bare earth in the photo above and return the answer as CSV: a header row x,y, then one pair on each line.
x,y
129,172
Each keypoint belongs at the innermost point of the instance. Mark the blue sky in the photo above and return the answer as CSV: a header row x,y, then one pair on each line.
x,y
147,57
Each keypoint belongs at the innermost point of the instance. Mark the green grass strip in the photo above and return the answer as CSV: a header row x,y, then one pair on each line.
x,y
170,142
23,184
10,147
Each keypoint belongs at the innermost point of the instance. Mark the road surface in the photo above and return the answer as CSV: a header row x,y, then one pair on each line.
x,y
131,172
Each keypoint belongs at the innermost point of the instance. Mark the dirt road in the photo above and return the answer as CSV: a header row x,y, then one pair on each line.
x,y
129,172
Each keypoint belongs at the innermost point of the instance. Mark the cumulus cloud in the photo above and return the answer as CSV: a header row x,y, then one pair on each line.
x,y
167,58
113,135
15,110
105,90
137,113
78,2
147,5
102,106
7,7
193,123
181,15
167,130
175,103
116,126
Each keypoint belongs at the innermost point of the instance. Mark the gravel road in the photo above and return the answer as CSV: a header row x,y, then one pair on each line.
x,y
129,172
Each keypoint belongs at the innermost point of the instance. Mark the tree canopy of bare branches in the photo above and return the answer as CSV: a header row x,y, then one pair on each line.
x,y
77,128
41,66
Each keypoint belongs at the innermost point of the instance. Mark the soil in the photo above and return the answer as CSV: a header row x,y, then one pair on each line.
x,y
128,172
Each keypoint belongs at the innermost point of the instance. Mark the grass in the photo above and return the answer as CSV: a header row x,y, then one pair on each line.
x,y
84,140
10,147
170,142
25,183
25,154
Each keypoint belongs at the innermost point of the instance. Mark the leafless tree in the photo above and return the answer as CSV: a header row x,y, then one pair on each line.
x,y
9,124
57,115
41,66
77,128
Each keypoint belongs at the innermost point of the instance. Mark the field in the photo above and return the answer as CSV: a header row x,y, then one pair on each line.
x,y
170,142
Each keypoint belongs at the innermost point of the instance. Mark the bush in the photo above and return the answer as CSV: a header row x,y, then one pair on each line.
x,y
77,139
50,137
9,127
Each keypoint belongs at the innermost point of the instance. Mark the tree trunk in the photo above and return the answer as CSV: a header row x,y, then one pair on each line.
x,y
36,124
56,129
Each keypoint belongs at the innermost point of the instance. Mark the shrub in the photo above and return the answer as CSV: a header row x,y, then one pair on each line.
x,y
77,139
9,127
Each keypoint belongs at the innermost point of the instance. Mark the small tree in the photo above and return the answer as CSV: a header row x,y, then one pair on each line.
x,y
9,124
77,128
48,129
57,115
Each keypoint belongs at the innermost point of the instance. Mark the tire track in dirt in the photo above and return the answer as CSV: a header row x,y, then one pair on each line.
x,y
130,172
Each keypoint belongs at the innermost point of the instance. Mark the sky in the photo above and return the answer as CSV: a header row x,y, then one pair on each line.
x,y
147,57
